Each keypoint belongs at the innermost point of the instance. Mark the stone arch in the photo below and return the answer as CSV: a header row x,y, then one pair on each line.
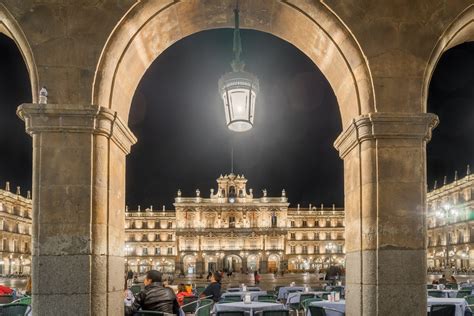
x,y
10,27
149,28
459,31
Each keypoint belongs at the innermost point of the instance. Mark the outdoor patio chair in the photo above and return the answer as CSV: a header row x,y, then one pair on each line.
x,y
14,309
436,294
266,298
144,313
463,293
233,289
430,286
306,302
230,313
6,299
25,300
304,297
135,289
199,289
442,310
233,298
204,308
279,312
321,311
451,286
470,301
190,304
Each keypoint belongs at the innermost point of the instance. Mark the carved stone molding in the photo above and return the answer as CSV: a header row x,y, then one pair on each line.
x,y
76,118
385,126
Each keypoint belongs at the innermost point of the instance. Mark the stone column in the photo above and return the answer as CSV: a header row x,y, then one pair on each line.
x,y
385,193
78,200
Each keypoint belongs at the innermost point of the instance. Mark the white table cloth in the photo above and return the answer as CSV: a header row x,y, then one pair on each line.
x,y
339,306
460,303
283,291
253,294
250,308
448,293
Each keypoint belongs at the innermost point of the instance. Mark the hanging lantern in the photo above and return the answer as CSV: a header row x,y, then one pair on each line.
x,y
238,89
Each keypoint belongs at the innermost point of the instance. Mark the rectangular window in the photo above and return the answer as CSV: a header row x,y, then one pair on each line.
x,y
304,224
316,249
231,222
292,250
144,237
316,223
292,223
27,248
305,236
157,251
170,250
15,246
170,224
170,237
292,236
305,249
145,251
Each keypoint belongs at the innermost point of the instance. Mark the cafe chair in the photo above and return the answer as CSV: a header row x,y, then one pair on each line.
x,y
205,307
266,298
135,289
279,312
442,310
451,286
321,311
14,309
463,293
190,304
306,303
145,313
436,294
230,313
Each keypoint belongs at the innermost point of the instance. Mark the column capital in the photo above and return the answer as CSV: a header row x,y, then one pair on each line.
x,y
381,125
76,118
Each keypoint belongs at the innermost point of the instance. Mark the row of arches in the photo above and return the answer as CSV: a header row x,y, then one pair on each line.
x,y
333,47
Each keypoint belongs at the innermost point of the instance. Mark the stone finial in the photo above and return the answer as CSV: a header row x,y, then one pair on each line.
x,y
251,191
322,206
283,192
212,192
264,192
139,209
164,208
298,207
334,207
435,186
126,208
468,170
179,193
7,186
198,193
445,180
28,194
151,208
43,96
456,175
309,207
18,190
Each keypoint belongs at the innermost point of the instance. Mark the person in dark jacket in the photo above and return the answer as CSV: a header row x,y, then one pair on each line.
x,y
214,288
154,297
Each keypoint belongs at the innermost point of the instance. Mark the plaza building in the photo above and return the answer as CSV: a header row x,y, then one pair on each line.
x,y
450,219
15,232
234,230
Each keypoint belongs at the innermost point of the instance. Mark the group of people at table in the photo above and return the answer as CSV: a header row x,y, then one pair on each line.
x,y
163,298
156,297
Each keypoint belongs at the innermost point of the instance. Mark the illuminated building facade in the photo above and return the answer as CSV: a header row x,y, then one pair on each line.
x,y
450,219
15,232
235,231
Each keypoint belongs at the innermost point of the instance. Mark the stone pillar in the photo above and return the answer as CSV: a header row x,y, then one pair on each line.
x,y
385,193
78,200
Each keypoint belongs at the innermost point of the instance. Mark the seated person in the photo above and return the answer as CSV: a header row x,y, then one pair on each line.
x,y
214,288
154,297
182,292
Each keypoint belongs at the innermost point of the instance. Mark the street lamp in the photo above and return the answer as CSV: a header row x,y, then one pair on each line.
x,y
445,212
238,89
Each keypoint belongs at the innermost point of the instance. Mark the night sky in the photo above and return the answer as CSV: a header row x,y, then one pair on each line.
x,y
184,143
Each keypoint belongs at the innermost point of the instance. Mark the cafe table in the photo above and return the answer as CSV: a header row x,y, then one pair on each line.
x,y
338,306
283,291
253,294
461,304
249,308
